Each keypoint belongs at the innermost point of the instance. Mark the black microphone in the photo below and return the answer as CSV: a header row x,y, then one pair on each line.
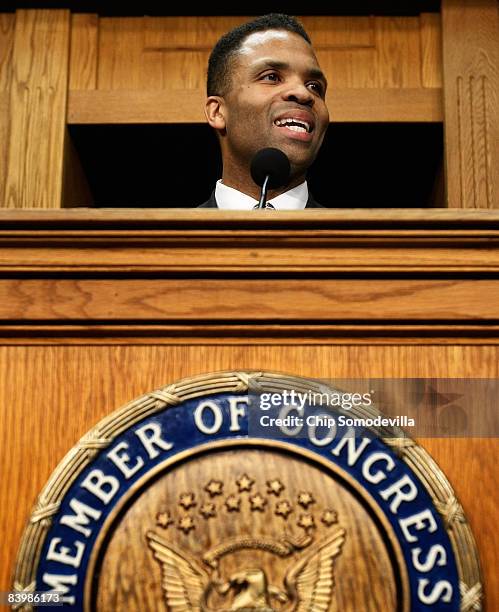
x,y
270,168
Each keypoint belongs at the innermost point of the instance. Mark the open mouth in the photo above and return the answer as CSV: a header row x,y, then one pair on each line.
x,y
295,125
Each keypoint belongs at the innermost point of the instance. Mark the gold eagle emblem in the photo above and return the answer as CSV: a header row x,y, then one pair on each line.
x,y
308,583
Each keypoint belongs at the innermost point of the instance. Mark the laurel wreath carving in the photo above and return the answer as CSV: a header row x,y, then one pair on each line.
x,y
471,598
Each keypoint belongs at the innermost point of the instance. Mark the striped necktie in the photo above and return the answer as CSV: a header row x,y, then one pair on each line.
x,y
268,206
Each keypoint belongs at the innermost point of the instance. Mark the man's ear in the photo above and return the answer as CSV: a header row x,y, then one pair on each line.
x,y
214,111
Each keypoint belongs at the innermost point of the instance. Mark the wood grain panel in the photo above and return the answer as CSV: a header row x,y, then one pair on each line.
x,y
84,53
346,50
164,255
186,106
471,467
121,43
7,24
471,85
186,33
431,50
37,112
328,32
152,106
256,300
201,33
176,50
350,68
138,53
52,395
385,105
153,69
176,70
399,51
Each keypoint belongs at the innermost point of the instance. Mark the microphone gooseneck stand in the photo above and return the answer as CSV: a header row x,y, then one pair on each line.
x,y
270,169
263,197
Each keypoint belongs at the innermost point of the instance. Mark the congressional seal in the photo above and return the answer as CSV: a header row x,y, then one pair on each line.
x,y
185,500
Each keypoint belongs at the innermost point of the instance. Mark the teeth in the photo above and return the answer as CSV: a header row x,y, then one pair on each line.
x,y
291,123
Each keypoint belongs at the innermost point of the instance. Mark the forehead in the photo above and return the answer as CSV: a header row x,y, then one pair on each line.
x,y
275,44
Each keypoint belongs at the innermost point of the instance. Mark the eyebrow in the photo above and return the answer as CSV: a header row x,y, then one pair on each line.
x,y
314,73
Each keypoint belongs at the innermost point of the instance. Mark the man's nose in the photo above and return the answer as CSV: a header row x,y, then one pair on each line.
x,y
300,93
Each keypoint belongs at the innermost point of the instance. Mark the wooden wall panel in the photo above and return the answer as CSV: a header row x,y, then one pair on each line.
x,y
172,52
471,94
7,24
121,46
175,70
399,52
349,68
379,69
83,56
186,33
51,395
37,111
340,32
431,50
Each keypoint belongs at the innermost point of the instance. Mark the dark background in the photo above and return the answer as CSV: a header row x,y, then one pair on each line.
x,y
360,164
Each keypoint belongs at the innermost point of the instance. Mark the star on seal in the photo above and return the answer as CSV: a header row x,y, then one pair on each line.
x,y
163,519
207,510
244,483
306,521
187,500
283,508
258,502
214,487
275,487
185,524
329,517
305,499
233,503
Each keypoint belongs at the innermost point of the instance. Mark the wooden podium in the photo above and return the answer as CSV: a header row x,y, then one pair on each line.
x,y
100,306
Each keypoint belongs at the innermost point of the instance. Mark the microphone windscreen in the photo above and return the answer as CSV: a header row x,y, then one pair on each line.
x,y
271,162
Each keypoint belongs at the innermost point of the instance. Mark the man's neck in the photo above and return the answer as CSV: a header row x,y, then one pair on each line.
x,y
252,190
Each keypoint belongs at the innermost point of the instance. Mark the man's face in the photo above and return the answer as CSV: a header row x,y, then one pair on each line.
x,y
276,99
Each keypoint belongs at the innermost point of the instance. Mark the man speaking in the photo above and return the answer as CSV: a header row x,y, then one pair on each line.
x,y
265,90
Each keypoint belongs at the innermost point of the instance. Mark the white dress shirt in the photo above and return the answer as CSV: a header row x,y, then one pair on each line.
x,y
229,198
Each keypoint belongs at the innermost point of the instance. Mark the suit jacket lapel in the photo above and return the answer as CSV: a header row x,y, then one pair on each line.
x,y
311,203
211,203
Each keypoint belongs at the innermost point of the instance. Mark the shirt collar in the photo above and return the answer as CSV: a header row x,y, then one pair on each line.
x,y
229,198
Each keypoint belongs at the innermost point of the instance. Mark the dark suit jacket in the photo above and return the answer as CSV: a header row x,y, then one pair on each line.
x,y
212,203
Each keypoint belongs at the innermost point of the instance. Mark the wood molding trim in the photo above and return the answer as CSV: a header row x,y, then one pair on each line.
x,y
171,219
186,106
192,276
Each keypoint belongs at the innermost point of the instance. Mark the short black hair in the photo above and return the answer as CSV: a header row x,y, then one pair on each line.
x,y
222,55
